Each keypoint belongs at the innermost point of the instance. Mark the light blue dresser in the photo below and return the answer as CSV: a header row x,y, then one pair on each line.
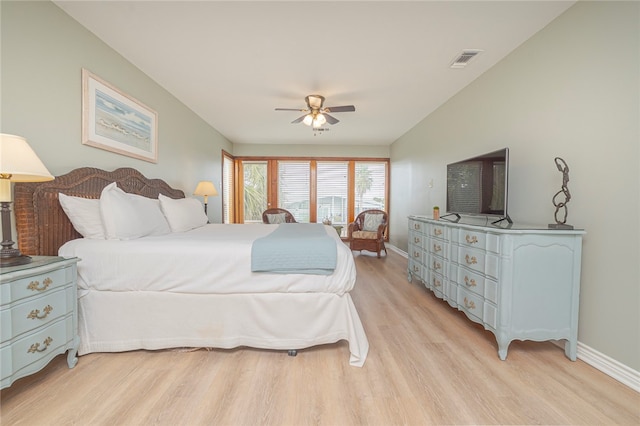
x,y
38,316
519,282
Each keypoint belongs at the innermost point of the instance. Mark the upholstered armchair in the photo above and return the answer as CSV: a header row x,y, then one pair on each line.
x,y
367,231
277,215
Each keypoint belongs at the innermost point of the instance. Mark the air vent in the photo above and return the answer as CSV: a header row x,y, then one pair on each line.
x,y
463,59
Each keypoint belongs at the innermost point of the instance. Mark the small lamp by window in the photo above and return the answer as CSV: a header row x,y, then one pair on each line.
x,y
18,163
205,189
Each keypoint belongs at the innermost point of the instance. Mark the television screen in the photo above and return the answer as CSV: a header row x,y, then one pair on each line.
x,y
478,186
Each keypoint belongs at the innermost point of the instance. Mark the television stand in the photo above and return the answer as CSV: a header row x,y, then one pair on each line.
x,y
451,214
507,218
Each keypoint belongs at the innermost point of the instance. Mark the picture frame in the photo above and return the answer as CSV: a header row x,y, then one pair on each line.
x,y
115,121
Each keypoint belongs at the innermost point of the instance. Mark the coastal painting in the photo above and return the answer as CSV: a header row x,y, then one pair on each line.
x,y
117,122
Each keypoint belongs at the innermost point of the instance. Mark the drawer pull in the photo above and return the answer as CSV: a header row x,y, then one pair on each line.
x,y
35,285
471,239
416,268
437,283
469,304
437,232
416,226
437,265
471,260
416,240
36,313
416,254
36,346
469,282
437,247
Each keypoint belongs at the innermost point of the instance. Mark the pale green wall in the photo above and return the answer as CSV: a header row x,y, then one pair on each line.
x,y
43,52
571,91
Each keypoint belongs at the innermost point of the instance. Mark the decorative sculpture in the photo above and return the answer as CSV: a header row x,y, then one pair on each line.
x,y
561,206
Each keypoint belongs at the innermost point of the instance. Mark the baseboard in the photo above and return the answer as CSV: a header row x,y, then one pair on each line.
x,y
609,366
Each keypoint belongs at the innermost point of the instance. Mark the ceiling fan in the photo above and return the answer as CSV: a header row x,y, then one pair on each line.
x,y
316,114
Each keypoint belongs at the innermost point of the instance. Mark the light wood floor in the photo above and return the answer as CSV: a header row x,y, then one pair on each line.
x,y
427,365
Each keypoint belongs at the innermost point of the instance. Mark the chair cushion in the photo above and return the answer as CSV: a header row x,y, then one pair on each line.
x,y
372,221
365,235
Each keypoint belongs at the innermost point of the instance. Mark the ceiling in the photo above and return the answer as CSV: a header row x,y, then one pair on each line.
x,y
233,62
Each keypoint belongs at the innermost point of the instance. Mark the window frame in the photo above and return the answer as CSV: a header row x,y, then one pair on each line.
x,y
272,185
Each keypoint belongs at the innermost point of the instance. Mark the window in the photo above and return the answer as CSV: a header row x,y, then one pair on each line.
x,y
311,189
370,185
332,180
294,188
255,190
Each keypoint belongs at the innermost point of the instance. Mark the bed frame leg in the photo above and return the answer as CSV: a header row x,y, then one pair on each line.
x,y
293,352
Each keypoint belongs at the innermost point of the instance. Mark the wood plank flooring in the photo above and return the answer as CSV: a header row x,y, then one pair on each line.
x,y
427,365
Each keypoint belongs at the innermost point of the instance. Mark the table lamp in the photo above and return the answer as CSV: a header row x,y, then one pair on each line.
x,y
18,163
205,189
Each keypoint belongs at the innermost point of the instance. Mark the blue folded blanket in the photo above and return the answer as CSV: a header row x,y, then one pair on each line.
x,y
295,248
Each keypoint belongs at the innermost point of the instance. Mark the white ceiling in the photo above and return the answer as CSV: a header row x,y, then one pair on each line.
x,y
233,62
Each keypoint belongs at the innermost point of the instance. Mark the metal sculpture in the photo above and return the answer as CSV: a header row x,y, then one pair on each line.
x,y
558,202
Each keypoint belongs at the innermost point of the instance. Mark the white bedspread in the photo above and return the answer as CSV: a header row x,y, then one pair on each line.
x,y
213,259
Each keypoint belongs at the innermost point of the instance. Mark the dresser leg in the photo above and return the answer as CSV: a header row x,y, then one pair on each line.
x,y
571,349
72,353
503,346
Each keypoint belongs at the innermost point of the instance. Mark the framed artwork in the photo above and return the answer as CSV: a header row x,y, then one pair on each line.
x,y
117,122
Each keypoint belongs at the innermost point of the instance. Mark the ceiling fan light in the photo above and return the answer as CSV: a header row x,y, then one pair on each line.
x,y
320,119
315,101
308,120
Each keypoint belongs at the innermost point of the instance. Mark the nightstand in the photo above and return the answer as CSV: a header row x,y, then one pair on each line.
x,y
38,316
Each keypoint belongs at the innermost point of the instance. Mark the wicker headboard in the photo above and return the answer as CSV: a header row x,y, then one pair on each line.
x,y
41,223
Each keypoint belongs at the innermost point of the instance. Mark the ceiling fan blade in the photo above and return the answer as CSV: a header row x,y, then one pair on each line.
x,y
343,108
299,119
330,119
291,109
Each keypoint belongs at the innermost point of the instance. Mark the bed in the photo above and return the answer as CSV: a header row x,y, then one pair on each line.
x,y
185,289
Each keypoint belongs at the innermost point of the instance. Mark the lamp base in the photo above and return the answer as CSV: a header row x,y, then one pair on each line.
x,y
21,259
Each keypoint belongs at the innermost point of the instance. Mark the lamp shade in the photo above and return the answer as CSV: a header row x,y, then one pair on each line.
x,y
205,188
19,163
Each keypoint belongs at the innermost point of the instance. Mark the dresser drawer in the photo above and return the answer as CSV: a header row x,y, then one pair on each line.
x,y
416,239
471,304
479,261
43,344
36,284
416,253
438,231
437,247
471,281
437,265
437,285
415,268
417,226
34,313
478,284
472,239
472,259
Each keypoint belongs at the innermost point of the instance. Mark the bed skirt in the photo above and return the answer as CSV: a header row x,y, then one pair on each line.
x,y
124,321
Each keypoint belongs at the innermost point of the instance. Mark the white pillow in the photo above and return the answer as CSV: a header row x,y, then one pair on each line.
x,y
129,216
84,214
183,214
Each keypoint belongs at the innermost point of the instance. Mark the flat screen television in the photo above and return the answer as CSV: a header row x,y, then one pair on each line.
x,y
478,186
